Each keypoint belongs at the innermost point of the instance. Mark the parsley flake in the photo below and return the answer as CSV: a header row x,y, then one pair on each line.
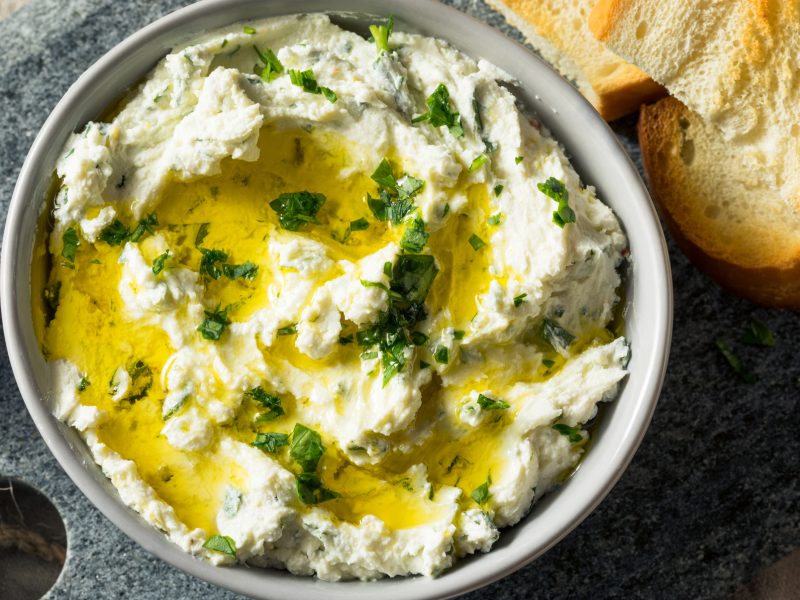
x,y
498,189
440,113
221,543
307,81
736,364
495,219
556,190
481,494
476,242
758,334
295,209
249,30
414,237
487,403
213,326
520,299
269,401
288,330
70,242
395,196
477,163
270,442
573,434
441,355
158,263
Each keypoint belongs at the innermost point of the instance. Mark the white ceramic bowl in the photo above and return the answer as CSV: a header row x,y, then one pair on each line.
x,y
595,154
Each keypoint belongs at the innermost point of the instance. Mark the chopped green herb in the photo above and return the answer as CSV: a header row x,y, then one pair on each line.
x,y
459,334
387,269
295,209
558,337
395,198
573,433
415,236
758,334
173,410
222,45
548,363
307,448
418,338
272,66
476,242
381,33
270,442
440,112
305,79
734,362
441,355
359,224
423,365
212,262
84,383
487,403
495,219
158,263
311,491
446,210
288,330
249,30
369,355
70,242
269,401
202,232
477,163
146,225
519,159
247,270
519,299
221,543
141,380
498,189
346,339
556,190
481,494
213,326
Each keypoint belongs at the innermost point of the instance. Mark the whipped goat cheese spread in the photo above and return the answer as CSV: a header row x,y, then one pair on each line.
x,y
328,304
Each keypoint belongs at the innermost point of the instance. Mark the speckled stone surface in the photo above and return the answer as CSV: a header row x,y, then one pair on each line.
x,y
710,499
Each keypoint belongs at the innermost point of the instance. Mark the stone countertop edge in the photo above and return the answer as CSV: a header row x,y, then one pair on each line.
x,y
709,500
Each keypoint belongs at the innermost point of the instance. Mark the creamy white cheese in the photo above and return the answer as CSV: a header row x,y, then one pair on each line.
x,y
202,108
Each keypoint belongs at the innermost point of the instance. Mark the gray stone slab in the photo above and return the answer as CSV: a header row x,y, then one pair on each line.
x,y
709,500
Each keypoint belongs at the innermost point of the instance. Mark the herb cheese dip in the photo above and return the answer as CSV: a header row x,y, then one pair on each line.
x,y
327,304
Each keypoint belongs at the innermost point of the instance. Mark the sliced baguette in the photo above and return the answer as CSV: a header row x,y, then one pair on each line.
x,y
720,207
734,62
559,30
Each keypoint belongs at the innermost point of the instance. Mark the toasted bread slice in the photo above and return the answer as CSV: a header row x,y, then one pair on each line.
x,y
720,206
733,62
559,30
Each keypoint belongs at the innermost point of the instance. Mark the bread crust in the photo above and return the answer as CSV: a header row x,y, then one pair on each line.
x,y
614,94
771,278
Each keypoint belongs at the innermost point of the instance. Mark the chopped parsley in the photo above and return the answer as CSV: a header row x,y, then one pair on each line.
x,y
481,494
556,190
288,330
440,113
213,326
487,403
84,383
158,263
734,362
441,355
414,237
357,225
116,233
395,196
495,219
295,209
221,543
418,338
758,334
305,79
269,401
519,159
141,380
202,232
249,30
411,278
70,242
498,189
459,334
520,299
476,242
555,335
381,33
548,363
212,262
272,67
573,434
246,270
477,163
307,450
270,442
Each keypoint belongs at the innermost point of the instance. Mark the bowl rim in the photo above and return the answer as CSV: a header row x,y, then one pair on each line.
x,y
489,567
